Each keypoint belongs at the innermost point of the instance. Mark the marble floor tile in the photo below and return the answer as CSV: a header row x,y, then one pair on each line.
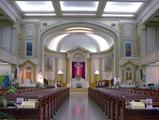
x,y
79,107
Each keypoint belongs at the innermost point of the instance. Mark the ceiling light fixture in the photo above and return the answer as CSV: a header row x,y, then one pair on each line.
x,y
78,28
79,5
78,31
39,14
124,7
35,6
118,15
79,14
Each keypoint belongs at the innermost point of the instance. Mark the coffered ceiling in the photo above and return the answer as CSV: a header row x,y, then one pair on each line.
x,y
80,8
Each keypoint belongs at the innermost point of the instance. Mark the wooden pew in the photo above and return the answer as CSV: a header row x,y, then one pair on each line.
x,y
113,103
49,101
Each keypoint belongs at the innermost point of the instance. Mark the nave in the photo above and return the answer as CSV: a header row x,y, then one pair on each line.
x,y
79,107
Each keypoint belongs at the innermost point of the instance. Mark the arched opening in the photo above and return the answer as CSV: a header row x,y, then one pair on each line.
x,y
70,36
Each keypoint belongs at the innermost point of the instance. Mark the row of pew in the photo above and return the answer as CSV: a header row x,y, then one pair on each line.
x,y
114,103
48,102
21,90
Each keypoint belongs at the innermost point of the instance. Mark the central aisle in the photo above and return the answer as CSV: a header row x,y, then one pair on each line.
x,y
79,107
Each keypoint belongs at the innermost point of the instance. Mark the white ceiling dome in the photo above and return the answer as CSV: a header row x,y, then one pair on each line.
x,y
82,37
77,40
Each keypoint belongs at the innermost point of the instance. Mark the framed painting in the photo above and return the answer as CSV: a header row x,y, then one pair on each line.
x,y
29,48
128,47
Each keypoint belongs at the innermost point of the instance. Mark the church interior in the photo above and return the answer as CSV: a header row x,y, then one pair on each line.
x,y
79,59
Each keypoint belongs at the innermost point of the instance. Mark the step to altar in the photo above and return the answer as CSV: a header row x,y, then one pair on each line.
x,y
78,90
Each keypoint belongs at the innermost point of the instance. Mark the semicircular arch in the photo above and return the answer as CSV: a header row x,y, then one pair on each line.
x,y
48,33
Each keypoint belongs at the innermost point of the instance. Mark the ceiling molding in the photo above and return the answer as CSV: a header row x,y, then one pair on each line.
x,y
80,14
9,10
148,12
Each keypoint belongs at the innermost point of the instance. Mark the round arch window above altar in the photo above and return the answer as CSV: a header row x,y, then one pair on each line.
x,y
87,38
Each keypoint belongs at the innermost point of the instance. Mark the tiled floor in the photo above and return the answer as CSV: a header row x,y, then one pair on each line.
x,y
79,107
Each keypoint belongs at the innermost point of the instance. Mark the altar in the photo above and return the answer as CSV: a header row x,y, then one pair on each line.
x,y
79,83
78,73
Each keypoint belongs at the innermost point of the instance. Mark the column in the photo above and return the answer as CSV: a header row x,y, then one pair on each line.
x,y
68,71
96,78
88,71
100,68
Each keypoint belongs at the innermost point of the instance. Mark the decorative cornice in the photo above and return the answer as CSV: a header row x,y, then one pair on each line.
x,y
148,11
9,10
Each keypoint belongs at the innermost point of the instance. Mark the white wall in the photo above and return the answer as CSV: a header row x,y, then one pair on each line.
x,y
14,41
6,37
49,75
61,64
107,75
95,65
152,74
5,69
8,44
150,39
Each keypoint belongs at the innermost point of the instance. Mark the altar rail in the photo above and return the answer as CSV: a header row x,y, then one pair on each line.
x,y
49,101
113,103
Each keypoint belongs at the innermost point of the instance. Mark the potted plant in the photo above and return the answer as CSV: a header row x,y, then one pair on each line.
x,y
3,99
